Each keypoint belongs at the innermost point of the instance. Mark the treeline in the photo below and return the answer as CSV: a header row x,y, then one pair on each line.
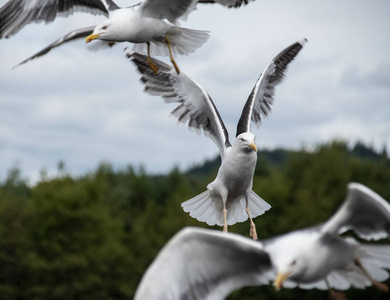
x,y
93,236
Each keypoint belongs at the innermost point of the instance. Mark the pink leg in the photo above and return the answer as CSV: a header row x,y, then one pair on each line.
x,y
253,232
334,294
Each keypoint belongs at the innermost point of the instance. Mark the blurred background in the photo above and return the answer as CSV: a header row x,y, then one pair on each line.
x,y
93,236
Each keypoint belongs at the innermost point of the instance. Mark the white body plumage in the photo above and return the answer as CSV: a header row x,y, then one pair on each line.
x,y
232,187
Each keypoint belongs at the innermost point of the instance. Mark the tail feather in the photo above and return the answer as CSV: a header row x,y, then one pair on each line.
x,y
209,208
215,218
205,207
200,210
183,42
198,205
257,206
237,212
195,202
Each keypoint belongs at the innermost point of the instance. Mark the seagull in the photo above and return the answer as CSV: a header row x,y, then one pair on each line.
x,y
143,24
206,264
229,198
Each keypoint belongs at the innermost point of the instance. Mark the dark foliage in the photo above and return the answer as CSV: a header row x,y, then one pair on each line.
x,y
92,237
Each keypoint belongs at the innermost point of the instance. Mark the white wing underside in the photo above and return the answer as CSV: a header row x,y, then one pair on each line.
x,y
195,106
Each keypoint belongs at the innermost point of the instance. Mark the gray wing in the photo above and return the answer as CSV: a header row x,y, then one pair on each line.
x,y
75,34
195,105
364,212
15,14
203,264
228,3
173,10
261,98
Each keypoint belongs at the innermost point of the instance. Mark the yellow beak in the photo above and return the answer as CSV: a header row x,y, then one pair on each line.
x,y
253,146
280,278
91,37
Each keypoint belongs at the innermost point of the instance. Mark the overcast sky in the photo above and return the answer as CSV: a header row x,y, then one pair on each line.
x,y
85,107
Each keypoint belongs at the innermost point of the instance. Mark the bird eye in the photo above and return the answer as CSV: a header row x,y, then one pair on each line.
x,y
294,262
242,139
104,27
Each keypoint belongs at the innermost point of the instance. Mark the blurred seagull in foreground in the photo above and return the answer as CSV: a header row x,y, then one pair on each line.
x,y
229,198
142,23
206,264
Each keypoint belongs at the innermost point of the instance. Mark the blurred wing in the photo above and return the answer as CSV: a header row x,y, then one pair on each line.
x,y
15,14
228,3
204,264
374,258
261,98
195,105
173,10
364,212
75,34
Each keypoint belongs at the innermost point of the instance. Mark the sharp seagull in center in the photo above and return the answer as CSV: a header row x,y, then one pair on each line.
x,y
229,198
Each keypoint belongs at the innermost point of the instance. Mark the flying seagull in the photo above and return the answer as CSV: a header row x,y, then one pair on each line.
x,y
143,24
229,198
206,264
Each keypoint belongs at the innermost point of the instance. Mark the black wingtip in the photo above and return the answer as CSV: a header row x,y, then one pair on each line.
x,y
237,4
281,61
292,52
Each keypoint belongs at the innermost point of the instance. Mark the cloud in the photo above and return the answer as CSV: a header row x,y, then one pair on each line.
x,y
84,107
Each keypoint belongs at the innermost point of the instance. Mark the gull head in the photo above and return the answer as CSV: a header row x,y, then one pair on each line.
x,y
284,273
291,265
246,142
101,31
291,256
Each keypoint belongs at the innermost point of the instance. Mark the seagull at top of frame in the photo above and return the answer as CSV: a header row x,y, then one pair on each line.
x,y
150,22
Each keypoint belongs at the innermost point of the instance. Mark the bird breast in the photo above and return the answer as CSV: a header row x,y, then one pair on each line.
x,y
131,26
237,169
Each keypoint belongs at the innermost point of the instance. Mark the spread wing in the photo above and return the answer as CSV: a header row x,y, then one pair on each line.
x,y
204,264
173,10
228,3
261,98
195,105
15,14
364,212
75,34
